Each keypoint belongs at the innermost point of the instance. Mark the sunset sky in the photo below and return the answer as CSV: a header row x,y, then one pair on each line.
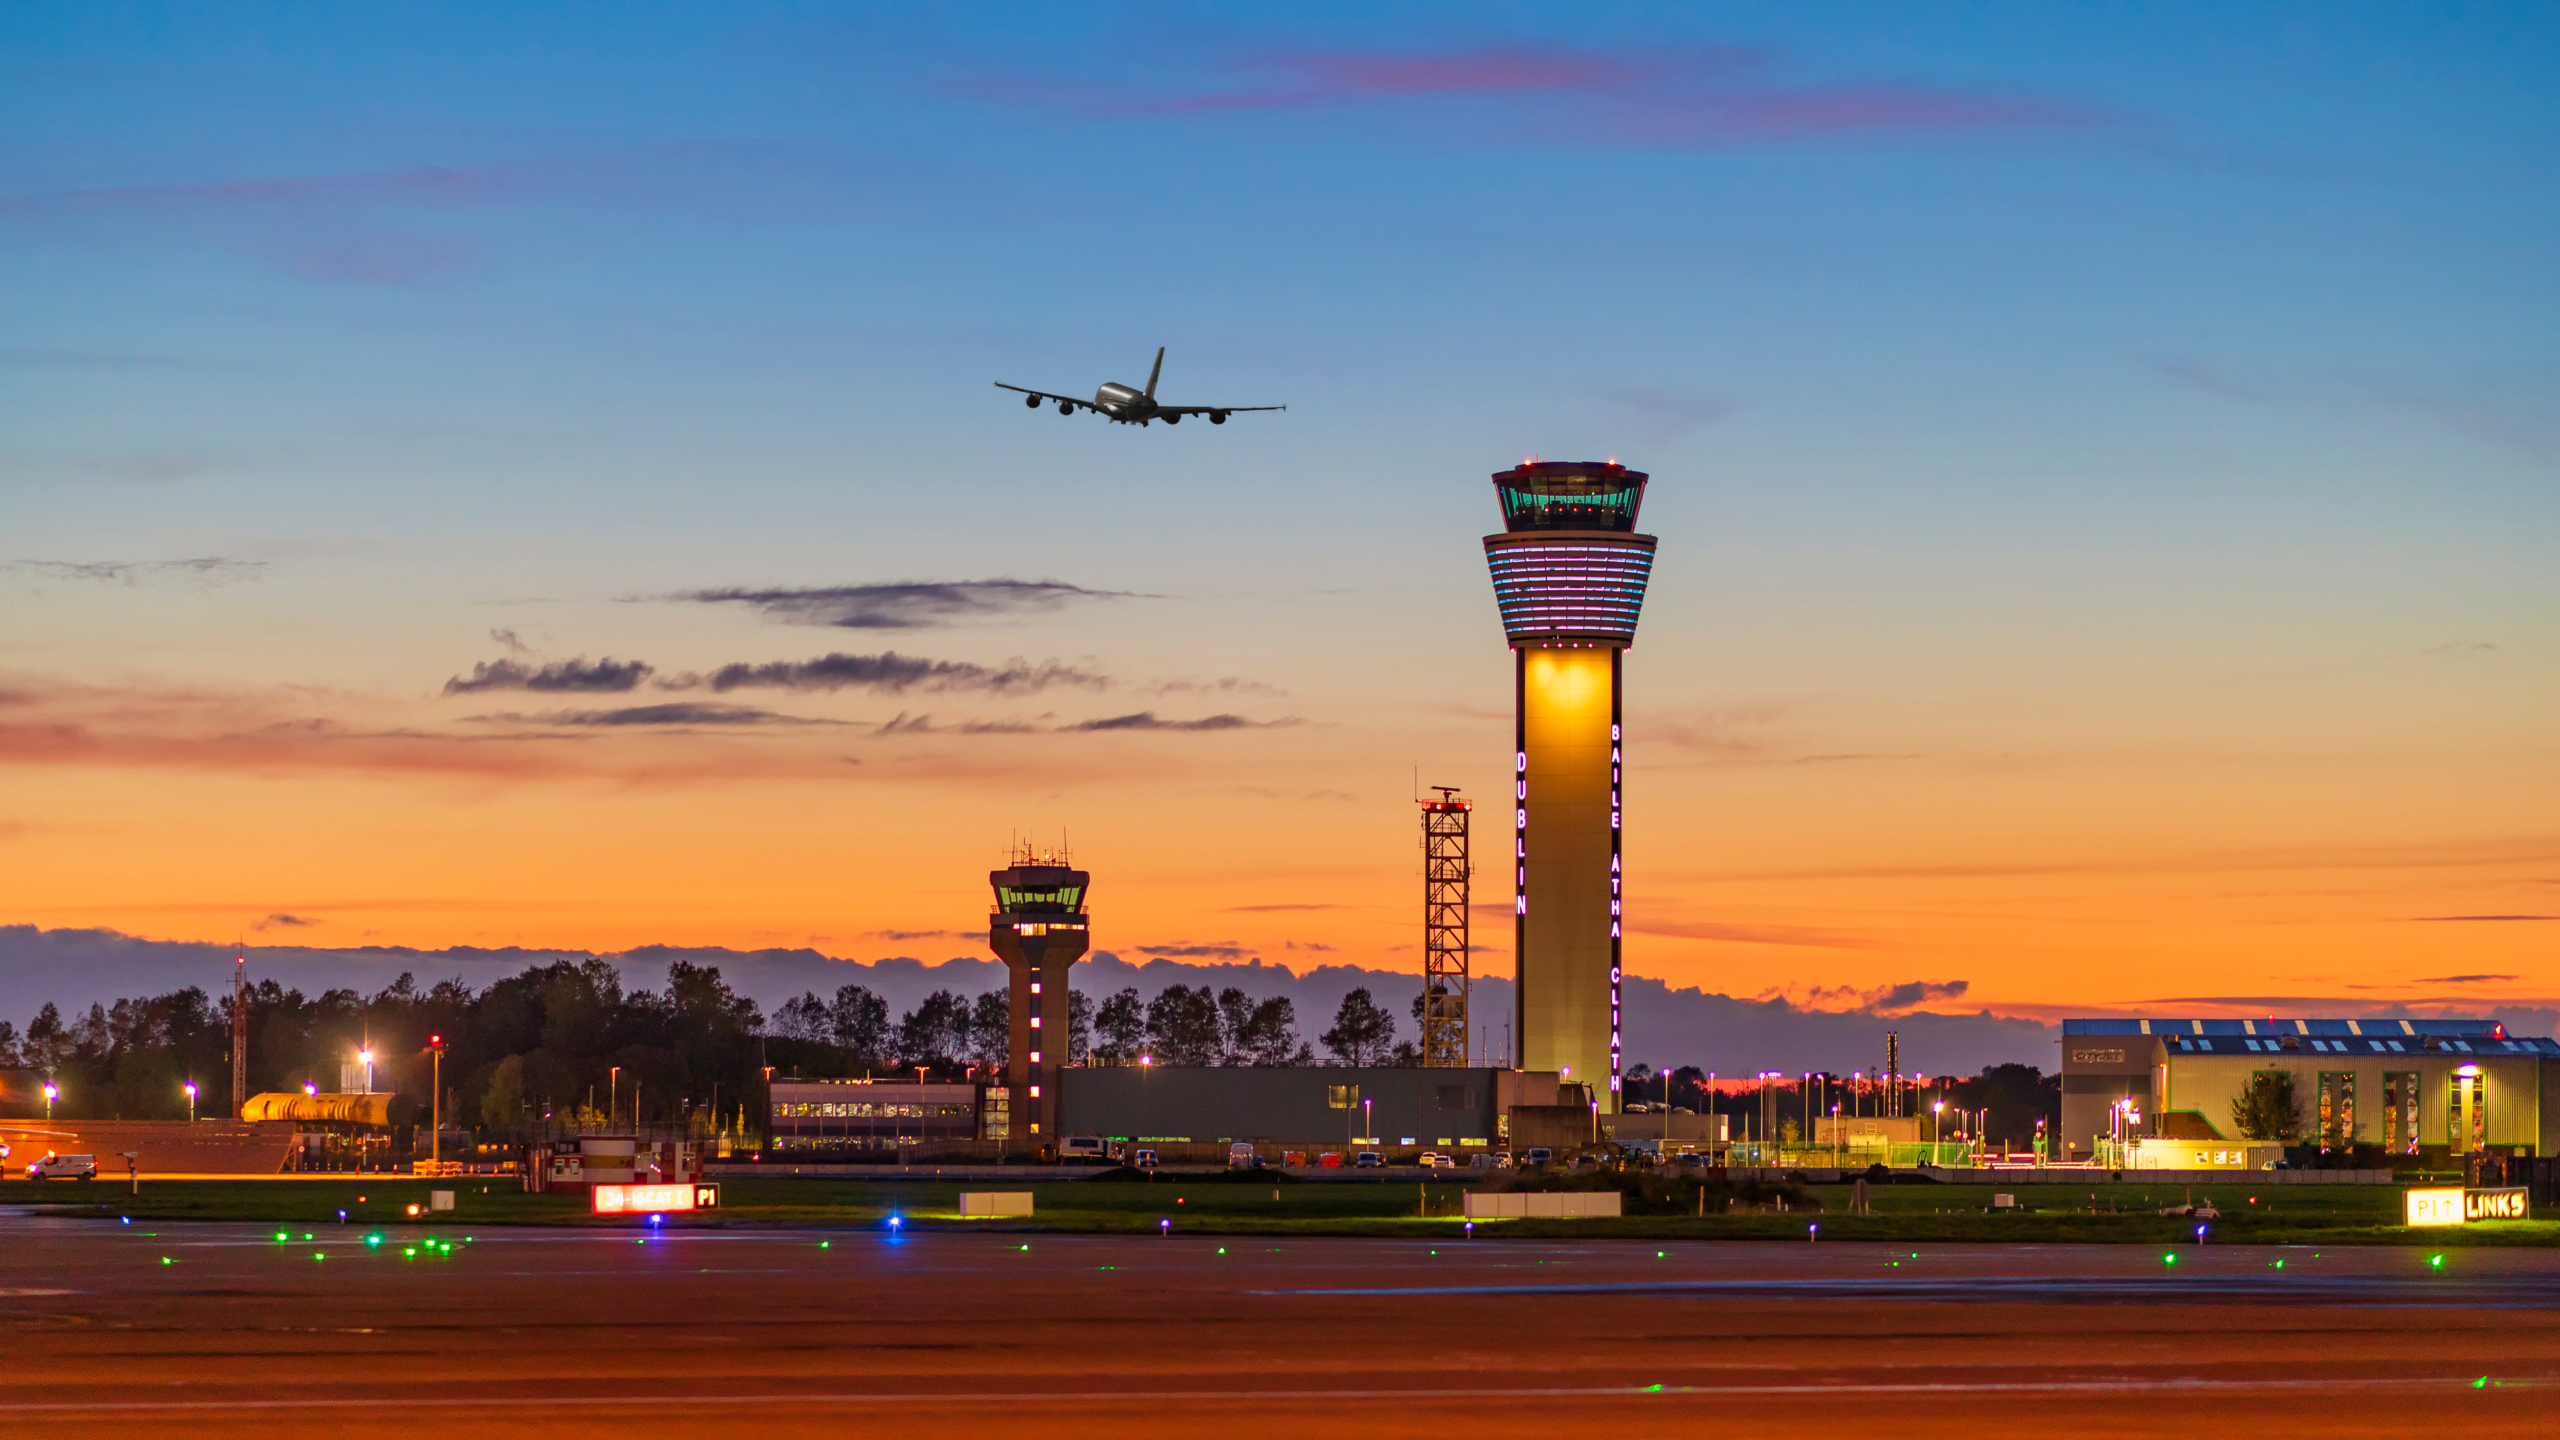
x,y
2106,460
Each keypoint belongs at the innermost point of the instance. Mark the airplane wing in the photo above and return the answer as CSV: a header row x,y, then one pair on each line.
x,y
1045,395
1213,409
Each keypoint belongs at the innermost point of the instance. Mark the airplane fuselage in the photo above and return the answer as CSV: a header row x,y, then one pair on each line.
x,y
1122,403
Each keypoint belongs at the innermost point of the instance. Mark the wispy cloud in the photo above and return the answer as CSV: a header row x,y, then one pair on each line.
x,y
2464,979
658,715
1661,417
2476,919
1267,909
1220,950
283,921
893,673
905,604
906,724
606,676
1147,720
204,570
1665,97
1749,934
402,226
903,935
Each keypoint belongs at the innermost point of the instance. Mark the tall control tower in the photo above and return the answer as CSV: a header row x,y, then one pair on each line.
x,y
1038,930
1569,573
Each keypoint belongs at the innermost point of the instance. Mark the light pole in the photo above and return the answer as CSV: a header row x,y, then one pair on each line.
x,y
49,1093
364,1057
191,1102
1835,1137
1367,1121
612,1096
1937,1127
435,1106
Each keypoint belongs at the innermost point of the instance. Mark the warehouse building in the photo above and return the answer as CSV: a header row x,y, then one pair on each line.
x,y
2442,1089
1456,1111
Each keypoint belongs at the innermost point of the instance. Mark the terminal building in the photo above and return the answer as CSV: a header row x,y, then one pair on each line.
x,y
2442,1089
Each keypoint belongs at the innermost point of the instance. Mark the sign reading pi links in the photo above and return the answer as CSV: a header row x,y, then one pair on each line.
x,y
2450,1206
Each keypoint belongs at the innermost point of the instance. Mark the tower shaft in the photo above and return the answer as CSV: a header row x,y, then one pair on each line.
x,y
1569,575
1038,930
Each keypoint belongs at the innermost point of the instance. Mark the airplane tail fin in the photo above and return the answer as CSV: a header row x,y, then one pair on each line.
x,y
1152,374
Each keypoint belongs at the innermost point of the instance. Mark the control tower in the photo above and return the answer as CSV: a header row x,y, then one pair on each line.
x,y
1038,930
1569,573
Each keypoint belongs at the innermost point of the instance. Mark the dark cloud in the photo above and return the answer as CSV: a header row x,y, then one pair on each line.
x,y
507,637
2463,979
282,921
1146,720
202,570
1884,998
1223,951
579,676
903,935
893,672
905,604
676,714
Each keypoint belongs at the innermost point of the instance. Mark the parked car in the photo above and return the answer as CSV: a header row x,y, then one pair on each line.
x,y
1538,1155
1488,1160
1434,1160
64,1167
1142,1159
1240,1156
1368,1160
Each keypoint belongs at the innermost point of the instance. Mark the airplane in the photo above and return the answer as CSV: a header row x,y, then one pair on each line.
x,y
1124,406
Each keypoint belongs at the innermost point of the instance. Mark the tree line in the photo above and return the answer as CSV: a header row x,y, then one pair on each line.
x,y
567,1040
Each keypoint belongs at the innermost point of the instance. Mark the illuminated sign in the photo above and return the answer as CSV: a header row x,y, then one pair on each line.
x,y
654,1199
2432,1207
2454,1207
2507,1203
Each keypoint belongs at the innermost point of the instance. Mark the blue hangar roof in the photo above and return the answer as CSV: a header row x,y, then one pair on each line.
x,y
2462,1036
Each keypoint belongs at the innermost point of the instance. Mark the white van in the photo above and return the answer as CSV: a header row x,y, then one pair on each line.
x,y
1083,1147
64,1167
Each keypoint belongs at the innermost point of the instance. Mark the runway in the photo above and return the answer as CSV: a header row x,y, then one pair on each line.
x,y
225,1329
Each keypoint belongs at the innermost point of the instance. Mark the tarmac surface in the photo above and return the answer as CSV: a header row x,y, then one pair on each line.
x,y
224,1330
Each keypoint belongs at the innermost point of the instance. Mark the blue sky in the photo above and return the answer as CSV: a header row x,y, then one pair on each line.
x,y
2138,418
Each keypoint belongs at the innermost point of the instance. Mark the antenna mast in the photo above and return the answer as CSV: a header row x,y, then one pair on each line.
x,y
1445,875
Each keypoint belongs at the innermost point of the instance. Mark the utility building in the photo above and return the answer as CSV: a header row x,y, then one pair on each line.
x,y
2438,1088
1569,576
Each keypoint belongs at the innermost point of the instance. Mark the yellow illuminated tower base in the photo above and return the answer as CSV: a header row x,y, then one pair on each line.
x,y
1569,575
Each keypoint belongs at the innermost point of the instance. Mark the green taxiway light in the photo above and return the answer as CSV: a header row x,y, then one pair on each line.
x,y
2169,1259
281,1237
411,1250
165,1260
2436,1260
